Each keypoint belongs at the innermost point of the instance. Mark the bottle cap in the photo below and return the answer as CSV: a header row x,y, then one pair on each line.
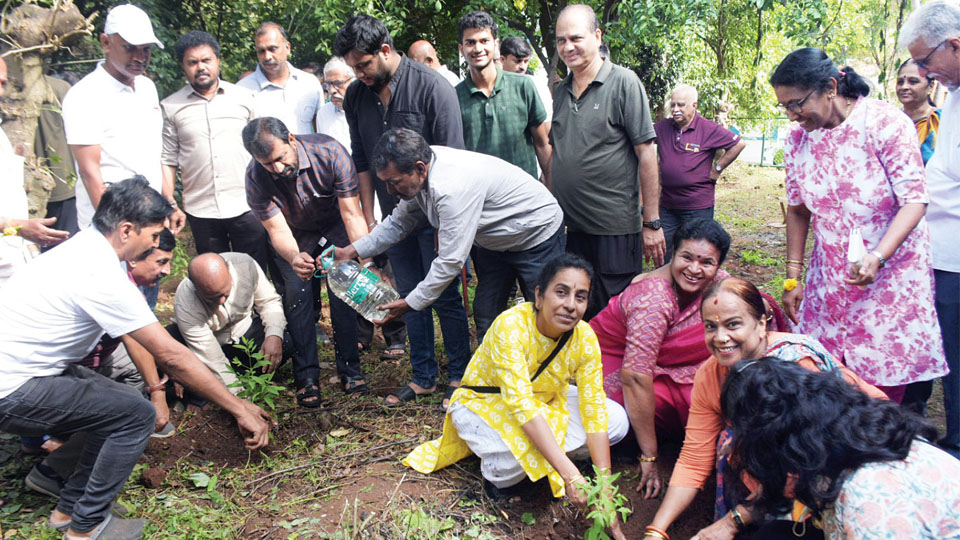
x,y
326,257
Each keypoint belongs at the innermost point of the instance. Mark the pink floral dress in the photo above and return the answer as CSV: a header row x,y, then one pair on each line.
x,y
858,175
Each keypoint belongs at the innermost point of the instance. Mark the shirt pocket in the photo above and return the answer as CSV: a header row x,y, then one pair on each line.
x,y
408,119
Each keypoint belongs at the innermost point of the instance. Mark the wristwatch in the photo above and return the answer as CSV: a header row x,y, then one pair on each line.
x,y
655,224
717,167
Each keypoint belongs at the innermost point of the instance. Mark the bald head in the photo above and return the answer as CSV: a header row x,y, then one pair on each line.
x,y
211,278
422,51
582,13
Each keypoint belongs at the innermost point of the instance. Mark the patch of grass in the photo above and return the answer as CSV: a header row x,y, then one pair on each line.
x,y
757,257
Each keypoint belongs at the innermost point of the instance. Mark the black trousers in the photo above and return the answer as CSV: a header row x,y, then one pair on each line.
x,y
243,234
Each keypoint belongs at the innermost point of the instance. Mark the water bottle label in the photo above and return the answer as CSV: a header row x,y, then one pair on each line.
x,y
362,286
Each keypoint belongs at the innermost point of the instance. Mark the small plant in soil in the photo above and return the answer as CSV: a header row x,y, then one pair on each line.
x,y
256,384
606,501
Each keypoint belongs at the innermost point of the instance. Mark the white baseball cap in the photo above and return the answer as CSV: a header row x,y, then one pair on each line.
x,y
133,25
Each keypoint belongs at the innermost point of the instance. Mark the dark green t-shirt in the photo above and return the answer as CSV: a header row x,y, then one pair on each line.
x,y
594,163
51,145
499,124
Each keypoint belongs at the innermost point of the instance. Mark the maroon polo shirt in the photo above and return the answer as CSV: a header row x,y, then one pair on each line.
x,y
686,159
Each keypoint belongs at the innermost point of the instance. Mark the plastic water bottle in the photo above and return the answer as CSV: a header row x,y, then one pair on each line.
x,y
360,288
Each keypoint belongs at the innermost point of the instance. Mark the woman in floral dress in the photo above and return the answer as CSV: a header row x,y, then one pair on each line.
x,y
853,164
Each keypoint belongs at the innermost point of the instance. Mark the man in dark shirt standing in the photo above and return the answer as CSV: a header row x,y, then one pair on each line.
x,y
393,92
304,188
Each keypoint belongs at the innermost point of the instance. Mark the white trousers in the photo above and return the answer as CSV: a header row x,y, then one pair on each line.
x,y
497,463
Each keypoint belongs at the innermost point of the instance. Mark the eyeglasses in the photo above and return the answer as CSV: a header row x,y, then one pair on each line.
x,y
339,85
795,106
922,64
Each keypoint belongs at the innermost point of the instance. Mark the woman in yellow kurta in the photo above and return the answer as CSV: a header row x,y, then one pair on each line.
x,y
522,428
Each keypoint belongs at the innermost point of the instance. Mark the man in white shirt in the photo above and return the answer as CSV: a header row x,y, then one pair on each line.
x,y
932,35
422,51
201,136
52,315
112,116
331,120
14,249
281,90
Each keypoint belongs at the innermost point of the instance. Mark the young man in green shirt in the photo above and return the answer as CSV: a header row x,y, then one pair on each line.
x,y
501,111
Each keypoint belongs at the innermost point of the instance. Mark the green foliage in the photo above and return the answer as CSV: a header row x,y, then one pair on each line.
x,y
757,257
179,263
606,501
256,385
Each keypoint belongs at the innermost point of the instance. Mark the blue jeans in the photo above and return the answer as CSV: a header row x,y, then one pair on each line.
x,y
498,270
411,259
115,418
948,314
671,219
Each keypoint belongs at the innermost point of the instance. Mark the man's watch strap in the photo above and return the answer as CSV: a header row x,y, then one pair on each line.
x,y
655,224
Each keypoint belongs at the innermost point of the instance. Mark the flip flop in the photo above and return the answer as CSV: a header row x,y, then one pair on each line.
x,y
404,395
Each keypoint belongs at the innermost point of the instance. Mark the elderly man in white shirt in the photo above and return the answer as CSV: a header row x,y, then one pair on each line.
x,y
932,35
331,120
281,90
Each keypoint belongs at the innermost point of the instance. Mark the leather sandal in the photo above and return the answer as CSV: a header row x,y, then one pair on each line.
x,y
393,352
354,385
310,389
405,394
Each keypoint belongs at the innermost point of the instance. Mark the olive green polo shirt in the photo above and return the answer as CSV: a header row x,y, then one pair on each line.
x,y
500,124
594,166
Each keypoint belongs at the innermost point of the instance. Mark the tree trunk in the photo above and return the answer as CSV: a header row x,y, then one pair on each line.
x,y
35,32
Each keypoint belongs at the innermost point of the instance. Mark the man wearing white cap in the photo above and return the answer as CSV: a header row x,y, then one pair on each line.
x,y
112,116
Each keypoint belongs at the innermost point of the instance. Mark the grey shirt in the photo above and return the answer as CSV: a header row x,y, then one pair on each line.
x,y
595,166
470,198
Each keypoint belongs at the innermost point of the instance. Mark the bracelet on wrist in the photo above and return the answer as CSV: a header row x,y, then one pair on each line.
x,y
795,261
151,388
883,261
655,532
372,224
737,519
650,459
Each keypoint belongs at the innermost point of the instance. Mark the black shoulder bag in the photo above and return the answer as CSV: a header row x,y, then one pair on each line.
x,y
496,389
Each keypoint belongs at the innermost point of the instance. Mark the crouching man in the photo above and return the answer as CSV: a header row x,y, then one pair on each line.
x,y
51,314
225,298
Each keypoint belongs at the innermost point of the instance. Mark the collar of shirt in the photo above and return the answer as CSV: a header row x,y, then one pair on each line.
x,y
497,85
220,91
690,127
112,83
600,78
264,82
303,160
398,74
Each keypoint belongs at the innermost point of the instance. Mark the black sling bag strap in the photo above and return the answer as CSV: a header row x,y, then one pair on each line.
x,y
496,389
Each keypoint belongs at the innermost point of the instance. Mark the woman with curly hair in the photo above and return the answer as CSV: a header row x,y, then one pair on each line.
x,y
865,467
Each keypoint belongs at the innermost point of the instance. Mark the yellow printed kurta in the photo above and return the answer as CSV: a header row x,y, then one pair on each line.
x,y
510,354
